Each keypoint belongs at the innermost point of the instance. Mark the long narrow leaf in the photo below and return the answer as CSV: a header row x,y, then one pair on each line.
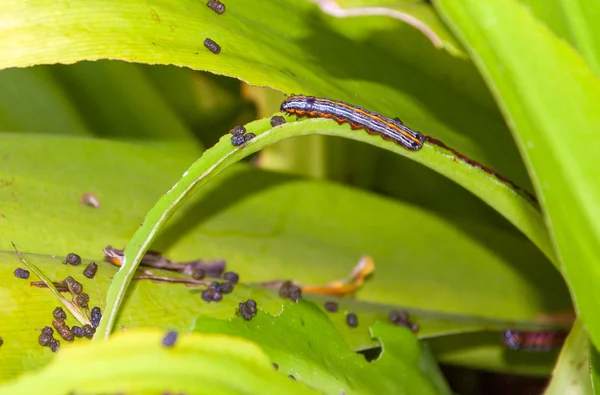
x,y
498,194
551,98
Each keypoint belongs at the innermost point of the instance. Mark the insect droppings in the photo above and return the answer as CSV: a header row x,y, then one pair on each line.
x,y
44,340
238,131
96,317
72,259
292,377
216,6
277,120
225,288
90,270
88,331
82,300
63,330
290,291
1,341
247,309
21,273
198,274
66,333
54,344
212,46
275,366
78,331
170,339
237,140
207,295
59,314
74,286
332,307
400,318
352,320
249,136
231,277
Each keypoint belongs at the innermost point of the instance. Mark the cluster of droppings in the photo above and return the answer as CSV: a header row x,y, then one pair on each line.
x,y
72,259
21,273
59,324
90,270
46,339
238,137
289,290
216,290
212,294
247,310
81,300
84,331
400,318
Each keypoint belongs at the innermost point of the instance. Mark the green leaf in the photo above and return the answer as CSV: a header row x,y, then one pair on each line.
x,y
515,207
26,309
71,308
571,373
581,17
268,44
266,226
398,349
136,362
249,207
32,100
573,21
552,99
304,343
119,100
594,368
